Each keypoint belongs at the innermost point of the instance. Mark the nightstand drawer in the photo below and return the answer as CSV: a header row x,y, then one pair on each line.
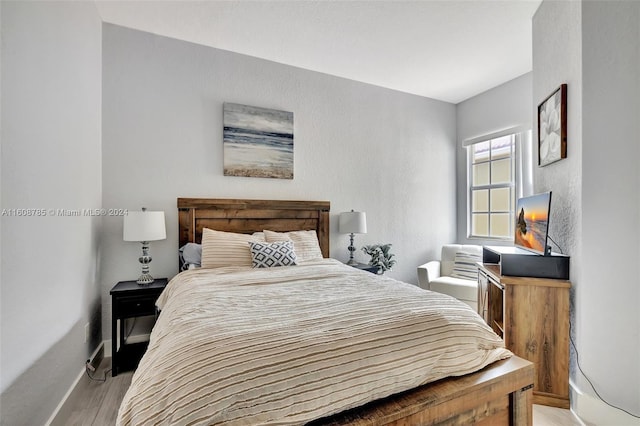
x,y
136,306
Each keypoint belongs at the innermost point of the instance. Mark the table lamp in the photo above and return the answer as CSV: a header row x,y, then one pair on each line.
x,y
144,226
352,223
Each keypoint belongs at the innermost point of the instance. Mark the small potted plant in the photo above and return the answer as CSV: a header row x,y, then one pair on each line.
x,y
381,256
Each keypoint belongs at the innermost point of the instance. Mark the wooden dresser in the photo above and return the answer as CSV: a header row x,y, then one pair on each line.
x,y
532,316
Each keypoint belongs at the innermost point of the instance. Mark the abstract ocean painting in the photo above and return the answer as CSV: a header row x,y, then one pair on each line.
x,y
258,142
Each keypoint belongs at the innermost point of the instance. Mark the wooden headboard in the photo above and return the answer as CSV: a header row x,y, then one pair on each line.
x,y
249,216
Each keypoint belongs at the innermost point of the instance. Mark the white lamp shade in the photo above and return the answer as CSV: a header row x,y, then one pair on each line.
x,y
353,222
144,226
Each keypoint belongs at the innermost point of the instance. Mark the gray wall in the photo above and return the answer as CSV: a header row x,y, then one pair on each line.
x,y
503,107
593,47
611,201
51,94
387,153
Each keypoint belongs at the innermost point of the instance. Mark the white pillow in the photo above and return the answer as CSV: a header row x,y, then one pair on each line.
x,y
226,248
305,243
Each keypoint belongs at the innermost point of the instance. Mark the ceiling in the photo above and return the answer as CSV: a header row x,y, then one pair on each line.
x,y
449,50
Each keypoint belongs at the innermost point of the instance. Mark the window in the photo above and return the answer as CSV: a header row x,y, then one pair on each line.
x,y
491,182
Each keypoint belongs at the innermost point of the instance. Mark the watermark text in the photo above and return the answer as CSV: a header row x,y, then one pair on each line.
x,y
57,212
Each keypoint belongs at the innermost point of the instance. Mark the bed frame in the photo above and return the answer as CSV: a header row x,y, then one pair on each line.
x,y
499,394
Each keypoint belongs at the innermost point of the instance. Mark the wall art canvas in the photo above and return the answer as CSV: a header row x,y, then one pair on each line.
x,y
258,142
552,127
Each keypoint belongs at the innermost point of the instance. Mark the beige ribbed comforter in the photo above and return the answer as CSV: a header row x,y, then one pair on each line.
x,y
279,346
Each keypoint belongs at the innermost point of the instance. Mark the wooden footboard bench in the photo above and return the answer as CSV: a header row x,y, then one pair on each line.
x,y
500,394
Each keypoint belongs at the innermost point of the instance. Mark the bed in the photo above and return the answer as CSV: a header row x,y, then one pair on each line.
x,y
319,343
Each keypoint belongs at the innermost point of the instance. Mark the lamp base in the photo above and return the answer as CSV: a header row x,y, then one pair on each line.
x,y
145,259
351,249
145,279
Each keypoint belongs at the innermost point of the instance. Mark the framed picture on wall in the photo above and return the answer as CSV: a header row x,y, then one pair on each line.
x,y
552,127
258,142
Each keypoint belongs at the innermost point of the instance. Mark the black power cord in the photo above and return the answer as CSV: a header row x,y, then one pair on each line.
x,y
559,248
88,368
578,360
591,384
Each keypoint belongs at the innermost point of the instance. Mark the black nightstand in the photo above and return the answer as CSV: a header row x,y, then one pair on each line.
x,y
129,300
366,267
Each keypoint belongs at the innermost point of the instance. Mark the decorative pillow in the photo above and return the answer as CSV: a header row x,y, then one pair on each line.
x,y
269,255
305,243
464,266
226,248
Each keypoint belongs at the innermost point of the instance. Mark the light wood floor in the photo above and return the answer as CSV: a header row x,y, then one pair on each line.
x,y
99,405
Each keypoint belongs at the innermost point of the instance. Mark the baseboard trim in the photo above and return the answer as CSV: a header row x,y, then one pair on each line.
x,y
63,410
593,411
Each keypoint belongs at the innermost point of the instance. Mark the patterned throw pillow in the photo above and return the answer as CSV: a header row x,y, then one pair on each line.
x,y
464,266
269,255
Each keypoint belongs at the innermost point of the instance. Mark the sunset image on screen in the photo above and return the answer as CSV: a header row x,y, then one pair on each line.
x,y
532,221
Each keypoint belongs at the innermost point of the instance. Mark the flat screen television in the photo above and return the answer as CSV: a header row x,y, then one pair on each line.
x,y
532,222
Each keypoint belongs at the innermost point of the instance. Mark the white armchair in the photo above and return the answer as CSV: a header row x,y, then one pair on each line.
x,y
436,275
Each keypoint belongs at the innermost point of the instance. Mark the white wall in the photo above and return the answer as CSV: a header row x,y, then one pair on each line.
x,y
359,146
503,107
51,95
611,201
593,47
